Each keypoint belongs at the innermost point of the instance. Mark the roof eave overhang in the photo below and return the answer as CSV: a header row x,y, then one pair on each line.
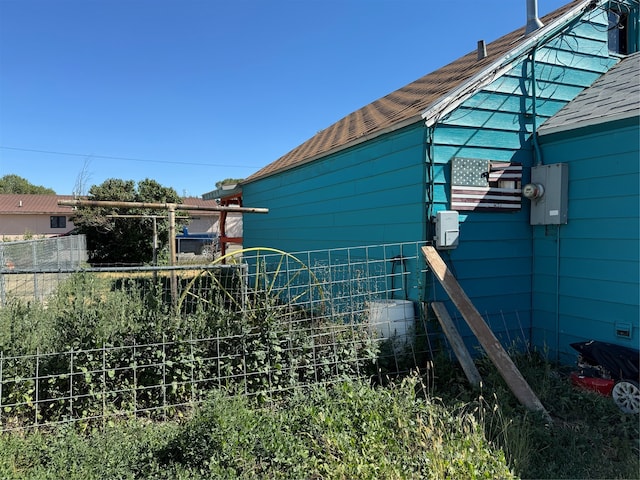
x,y
34,212
222,193
441,107
364,138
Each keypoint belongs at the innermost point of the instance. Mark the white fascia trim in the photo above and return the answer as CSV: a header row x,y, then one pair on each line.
x,y
453,100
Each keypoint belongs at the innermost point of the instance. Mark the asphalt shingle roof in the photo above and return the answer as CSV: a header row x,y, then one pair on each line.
x,y
615,95
404,105
17,203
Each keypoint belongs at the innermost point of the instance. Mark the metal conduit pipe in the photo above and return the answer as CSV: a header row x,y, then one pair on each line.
x,y
534,98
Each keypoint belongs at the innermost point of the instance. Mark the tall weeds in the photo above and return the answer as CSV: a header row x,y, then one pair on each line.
x,y
111,347
325,427
589,437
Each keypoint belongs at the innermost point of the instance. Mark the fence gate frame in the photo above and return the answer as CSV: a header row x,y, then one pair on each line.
x,y
171,214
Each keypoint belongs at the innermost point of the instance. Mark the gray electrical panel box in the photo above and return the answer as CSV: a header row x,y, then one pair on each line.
x,y
548,192
447,229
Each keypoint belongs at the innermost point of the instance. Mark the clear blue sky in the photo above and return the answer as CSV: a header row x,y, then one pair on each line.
x,y
189,92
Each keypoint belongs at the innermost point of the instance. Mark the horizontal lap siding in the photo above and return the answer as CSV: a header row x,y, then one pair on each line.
x,y
369,194
493,261
375,192
596,281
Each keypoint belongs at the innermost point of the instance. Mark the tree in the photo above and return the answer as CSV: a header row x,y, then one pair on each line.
x,y
113,235
14,184
228,181
80,186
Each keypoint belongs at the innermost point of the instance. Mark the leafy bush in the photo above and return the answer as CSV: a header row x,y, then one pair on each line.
x,y
121,350
117,451
25,328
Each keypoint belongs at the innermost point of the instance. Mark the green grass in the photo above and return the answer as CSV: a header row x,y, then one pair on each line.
x,y
354,431
589,438
351,431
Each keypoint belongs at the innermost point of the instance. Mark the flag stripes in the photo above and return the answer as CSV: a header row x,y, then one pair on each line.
x,y
503,171
501,192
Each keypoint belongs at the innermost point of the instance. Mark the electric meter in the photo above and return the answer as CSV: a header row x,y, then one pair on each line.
x,y
532,191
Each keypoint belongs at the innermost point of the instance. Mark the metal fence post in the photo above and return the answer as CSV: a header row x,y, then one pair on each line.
x,y
34,262
218,360
164,378
135,380
104,385
71,384
193,367
1,383
2,285
37,376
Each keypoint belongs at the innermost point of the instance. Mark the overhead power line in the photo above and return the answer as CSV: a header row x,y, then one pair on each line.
x,y
110,157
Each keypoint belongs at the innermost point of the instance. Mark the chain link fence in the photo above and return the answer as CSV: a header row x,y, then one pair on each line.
x,y
33,268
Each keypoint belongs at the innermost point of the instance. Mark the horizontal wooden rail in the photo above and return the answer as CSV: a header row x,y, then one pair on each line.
x,y
166,206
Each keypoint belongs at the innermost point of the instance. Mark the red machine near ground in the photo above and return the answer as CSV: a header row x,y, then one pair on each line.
x,y
610,370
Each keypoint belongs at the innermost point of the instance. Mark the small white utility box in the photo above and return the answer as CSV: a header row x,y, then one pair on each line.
x,y
447,229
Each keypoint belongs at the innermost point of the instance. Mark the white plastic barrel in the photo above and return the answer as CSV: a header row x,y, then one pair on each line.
x,y
392,319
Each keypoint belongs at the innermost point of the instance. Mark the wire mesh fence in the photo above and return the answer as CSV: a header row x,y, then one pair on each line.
x,y
159,379
151,341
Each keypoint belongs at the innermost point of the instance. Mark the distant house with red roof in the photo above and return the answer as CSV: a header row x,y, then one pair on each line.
x,y
23,216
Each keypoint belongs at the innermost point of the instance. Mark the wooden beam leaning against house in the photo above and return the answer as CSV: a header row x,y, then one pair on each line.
x,y
463,355
491,345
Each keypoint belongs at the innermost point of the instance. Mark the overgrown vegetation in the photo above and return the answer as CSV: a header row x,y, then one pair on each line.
x,y
351,431
589,438
328,425
113,347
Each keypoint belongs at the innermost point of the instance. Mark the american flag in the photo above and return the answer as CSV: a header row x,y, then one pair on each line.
x,y
483,185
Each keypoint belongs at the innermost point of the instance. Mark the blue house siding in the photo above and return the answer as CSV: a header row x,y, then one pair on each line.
x,y
388,188
368,194
588,271
494,261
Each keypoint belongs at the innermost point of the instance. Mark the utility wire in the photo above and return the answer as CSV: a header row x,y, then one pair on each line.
x,y
109,157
